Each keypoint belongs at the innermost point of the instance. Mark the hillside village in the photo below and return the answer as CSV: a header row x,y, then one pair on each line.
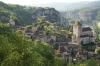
x,y
48,36
69,49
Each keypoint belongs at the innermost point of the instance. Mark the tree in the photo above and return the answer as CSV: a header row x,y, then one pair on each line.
x,y
97,51
91,62
44,26
17,50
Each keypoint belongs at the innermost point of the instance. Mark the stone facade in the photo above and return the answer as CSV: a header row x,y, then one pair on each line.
x,y
12,22
76,33
82,35
49,13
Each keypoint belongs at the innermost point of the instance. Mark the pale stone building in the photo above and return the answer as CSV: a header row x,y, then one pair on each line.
x,y
82,35
12,22
76,33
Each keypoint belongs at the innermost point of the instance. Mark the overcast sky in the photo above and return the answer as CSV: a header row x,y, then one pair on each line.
x,y
39,2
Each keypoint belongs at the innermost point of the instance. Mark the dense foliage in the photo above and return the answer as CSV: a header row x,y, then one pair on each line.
x,y
26,14
17,50
21,14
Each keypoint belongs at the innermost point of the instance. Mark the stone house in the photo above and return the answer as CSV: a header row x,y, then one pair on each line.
x,y
82,35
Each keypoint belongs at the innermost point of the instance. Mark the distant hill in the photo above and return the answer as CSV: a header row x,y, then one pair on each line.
x,y
87,14
72,6
25,14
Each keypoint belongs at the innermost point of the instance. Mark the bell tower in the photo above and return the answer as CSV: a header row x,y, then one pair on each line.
x,y
77,29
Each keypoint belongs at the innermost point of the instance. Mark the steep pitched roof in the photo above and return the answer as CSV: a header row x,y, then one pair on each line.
x,y
82,36
86,29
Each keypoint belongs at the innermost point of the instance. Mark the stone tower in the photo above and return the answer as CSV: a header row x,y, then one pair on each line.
x,y
77,29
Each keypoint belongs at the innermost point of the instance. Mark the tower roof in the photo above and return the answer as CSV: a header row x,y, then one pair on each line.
x,y
77,23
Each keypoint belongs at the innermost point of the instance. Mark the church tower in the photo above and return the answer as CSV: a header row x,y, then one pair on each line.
x,y
77,29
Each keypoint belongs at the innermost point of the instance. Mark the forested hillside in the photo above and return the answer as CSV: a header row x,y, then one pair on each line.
x,y
26,14
17,50
43,36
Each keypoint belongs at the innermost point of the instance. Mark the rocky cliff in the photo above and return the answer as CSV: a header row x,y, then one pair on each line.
x,y
50,14
27,15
